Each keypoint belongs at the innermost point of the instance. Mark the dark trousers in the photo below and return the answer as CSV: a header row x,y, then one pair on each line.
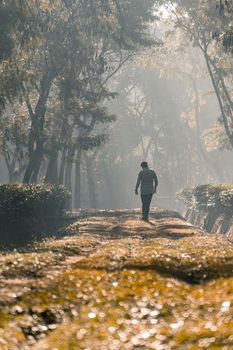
x,y
146,200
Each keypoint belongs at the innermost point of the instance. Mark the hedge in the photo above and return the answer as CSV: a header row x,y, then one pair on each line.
x,y
25,210
19,200
207,197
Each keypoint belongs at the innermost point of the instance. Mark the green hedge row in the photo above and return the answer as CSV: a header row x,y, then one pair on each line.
x,y
20,200
25,210
207,197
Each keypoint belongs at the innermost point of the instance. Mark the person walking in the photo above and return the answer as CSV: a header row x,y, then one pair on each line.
x,y
148,182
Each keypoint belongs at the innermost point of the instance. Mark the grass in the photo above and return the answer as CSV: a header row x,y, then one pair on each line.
x,y
119,309
136,286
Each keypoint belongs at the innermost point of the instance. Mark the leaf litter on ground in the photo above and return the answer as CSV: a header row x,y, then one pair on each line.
x,y
115,282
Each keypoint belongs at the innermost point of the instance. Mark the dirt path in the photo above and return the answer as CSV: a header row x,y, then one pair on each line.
x,y
115,282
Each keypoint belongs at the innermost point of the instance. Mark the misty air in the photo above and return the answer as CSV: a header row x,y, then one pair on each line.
x,y
116,174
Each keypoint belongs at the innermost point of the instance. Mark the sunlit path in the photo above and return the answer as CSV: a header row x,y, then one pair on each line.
x,y
116,282
116,104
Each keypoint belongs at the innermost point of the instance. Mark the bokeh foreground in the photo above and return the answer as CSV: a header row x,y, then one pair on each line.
x,y
115,282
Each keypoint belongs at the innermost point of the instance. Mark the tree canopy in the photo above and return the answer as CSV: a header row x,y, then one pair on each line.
x,y
64,64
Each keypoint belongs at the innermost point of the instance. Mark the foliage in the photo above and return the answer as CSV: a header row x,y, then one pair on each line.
x,y
18,30
38,201
215,139
205,197
225,9
78,47
205,25
13,139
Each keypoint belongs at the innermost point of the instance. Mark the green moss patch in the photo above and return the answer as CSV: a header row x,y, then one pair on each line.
x,y
119,283
129,308
194,259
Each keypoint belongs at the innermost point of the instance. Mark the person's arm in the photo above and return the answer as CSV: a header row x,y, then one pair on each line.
x,y
138,184
155,181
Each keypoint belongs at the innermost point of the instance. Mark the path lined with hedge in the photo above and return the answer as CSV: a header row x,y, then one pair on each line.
x,y
210,207
115,282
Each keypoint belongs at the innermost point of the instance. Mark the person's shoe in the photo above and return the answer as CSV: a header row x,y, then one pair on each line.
x,y
145,219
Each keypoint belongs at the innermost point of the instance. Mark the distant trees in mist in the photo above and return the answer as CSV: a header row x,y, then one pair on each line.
x,y
69,69
59,74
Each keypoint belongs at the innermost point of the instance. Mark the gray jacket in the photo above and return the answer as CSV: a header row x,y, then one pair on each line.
x,y
148,181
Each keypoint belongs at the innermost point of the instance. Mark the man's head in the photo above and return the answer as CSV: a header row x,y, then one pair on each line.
x,y
144,165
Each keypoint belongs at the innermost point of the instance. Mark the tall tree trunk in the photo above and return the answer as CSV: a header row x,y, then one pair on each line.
x,y
219,97
77,184
52,170
68,172
36,137
62,167
37,160
91,182
202,151
68,169
10,167
28,172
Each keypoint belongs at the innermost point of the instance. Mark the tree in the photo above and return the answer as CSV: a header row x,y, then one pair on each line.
x,y
61,78
16,33
204,26
13,136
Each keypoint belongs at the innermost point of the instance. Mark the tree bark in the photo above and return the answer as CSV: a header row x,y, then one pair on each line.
x,y
10,167
36,137
91,182
68,169
52,170
68,173
62,167
77,185
37,162
218,95
202,151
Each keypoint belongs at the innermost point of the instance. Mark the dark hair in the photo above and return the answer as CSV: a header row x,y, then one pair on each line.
x,y
144,164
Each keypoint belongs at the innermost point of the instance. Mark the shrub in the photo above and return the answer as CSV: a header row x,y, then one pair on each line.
x,y
19,200
206,197
25,208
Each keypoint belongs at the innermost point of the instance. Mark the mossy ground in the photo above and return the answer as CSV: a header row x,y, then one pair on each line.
x,y
118,283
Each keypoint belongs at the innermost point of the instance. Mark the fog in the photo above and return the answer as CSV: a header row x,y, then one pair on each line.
x,y
157,123
88,108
